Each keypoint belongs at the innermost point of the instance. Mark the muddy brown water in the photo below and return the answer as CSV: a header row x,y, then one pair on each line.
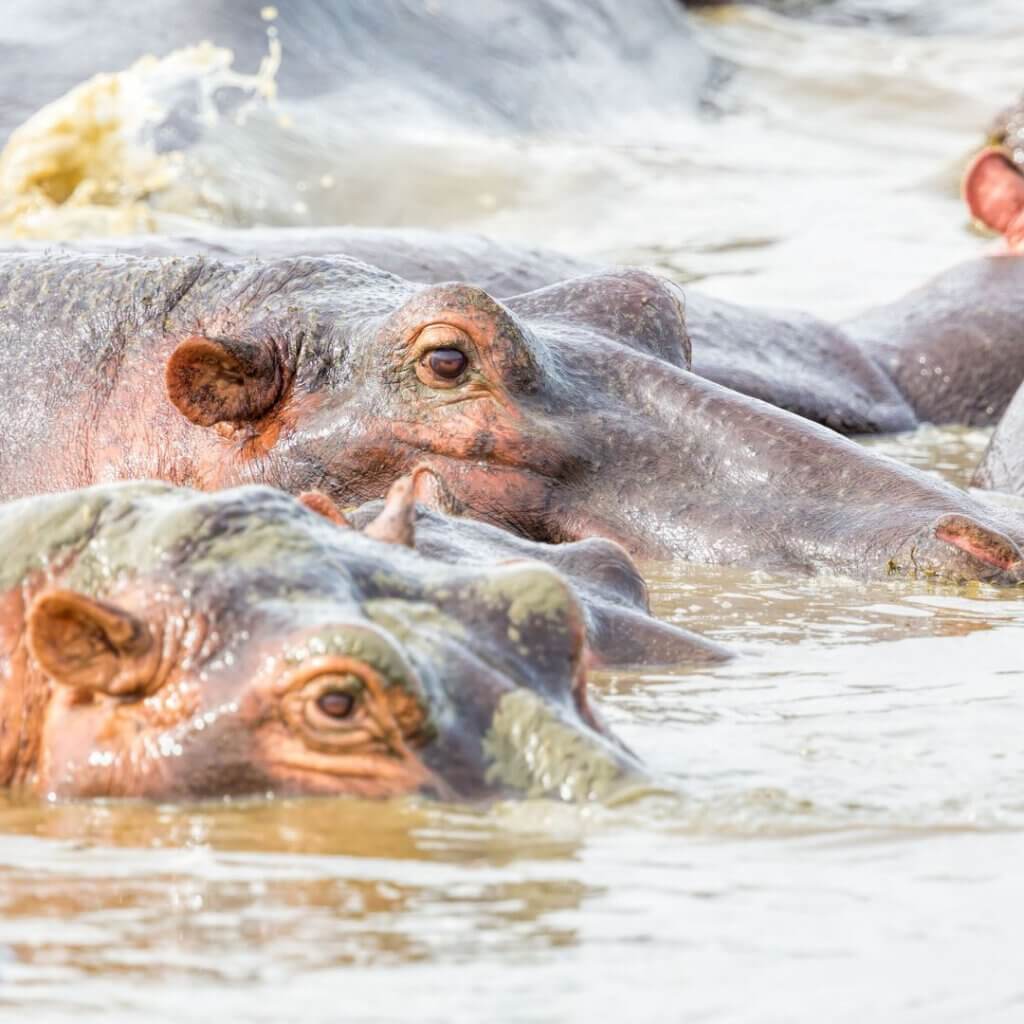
x,y
847,839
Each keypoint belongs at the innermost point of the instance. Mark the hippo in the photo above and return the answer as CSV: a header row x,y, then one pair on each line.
x,y
385,60
1002,465
560,414
621,630
164,643
993,188
951,351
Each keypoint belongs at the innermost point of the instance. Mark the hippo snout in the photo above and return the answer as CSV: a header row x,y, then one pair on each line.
x,y
961,547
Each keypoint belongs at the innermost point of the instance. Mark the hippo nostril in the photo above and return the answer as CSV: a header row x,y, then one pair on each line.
x,y
979,541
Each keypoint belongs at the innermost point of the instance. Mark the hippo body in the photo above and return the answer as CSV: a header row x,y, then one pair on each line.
x,y
954,347
952,351
1002,466
561,414
613,595
165,643
389,60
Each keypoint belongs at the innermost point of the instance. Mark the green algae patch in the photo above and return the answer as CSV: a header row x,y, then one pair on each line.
x,y
38,531
525,593
412,621
354,641
134,528
533,750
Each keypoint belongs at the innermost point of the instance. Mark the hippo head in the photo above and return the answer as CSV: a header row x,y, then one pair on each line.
x,y
563,413
993,188
193,645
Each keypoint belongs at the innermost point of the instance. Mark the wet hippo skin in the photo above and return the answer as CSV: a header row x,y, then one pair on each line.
x,y
1002,466
563,413
162,643
949,352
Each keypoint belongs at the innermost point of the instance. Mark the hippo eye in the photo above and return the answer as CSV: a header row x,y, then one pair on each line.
x,y
440,351
331,700
336,703
447,363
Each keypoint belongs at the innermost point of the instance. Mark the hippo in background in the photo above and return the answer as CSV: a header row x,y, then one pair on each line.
x,y
993,188
1002,465
621,631
162,643
952,351
561,414
370,61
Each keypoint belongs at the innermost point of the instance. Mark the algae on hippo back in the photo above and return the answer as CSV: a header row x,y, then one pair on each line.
x,y
132,528
64,523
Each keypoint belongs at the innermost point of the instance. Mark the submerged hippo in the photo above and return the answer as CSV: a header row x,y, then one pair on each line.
x,y
952,351
613,595
387,60
563,413
164,643
1002,466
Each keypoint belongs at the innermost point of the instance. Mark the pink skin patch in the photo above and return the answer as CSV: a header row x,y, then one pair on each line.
x,y
993,189
979,542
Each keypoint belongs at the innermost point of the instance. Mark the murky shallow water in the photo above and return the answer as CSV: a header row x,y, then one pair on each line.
x,y
851,820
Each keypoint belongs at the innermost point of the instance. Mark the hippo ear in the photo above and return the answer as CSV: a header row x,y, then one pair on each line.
x,y
322,505
994,192
396,521
212,381
978,541
89,644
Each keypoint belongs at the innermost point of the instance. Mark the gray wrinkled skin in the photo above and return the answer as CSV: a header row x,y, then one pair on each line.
x,y
602,430
955,346
1002,466
620,628
951,351
250,577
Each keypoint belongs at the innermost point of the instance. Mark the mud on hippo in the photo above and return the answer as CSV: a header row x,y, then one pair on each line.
x,y
165,643
562,413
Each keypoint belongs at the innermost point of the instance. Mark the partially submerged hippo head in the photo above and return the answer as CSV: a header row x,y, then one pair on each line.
x,y
165,643
562,413
993,189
